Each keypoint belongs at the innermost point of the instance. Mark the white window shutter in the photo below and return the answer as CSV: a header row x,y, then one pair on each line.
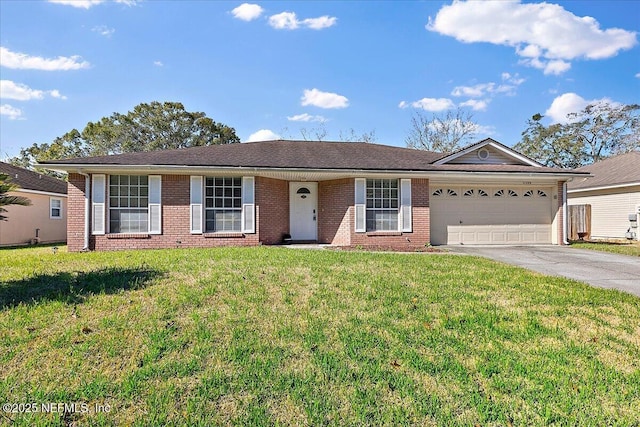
x,y
405,205
155,204
360,205
195,208
248,205
98,204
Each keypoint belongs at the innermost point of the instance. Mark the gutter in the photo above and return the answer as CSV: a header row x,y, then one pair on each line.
x,y
188,169
603,187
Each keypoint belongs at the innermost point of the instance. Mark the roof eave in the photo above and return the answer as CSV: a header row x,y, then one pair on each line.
x,y
603,187
190,169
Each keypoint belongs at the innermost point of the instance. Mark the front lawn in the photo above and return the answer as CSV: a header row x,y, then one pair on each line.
x,y
264,336
619,247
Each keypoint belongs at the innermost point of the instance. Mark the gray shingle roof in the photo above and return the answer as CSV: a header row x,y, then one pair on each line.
x,y
298,155
618,170
30,180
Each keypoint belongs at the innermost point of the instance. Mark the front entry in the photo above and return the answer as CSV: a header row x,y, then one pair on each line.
x,y
303,208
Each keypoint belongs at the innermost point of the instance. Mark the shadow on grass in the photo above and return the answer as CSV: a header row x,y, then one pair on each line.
x,y
73,287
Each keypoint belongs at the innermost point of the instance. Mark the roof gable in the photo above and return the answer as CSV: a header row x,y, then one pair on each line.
x,y
618,171
487,152
30,180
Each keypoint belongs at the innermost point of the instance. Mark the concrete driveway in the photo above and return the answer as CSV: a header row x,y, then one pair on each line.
x,y
599,269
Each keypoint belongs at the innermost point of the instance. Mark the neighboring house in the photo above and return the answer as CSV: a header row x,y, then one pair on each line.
x,y
339,193
45,220
613,193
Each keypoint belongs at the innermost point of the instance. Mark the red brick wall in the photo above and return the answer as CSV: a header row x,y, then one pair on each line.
x,y
420,223
175,225
75,212
272,197
335,202
334,220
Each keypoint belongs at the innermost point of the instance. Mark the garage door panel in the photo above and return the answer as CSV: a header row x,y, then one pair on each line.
x,y
500,219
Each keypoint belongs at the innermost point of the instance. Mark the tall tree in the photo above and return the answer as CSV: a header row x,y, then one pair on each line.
x,y
6,186
147,127
599,130
604,128
441,132
552,145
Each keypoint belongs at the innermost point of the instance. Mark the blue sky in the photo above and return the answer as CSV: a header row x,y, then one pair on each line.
x,y
270,69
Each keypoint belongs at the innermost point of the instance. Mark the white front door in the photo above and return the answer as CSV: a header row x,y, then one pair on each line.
x,y
303,208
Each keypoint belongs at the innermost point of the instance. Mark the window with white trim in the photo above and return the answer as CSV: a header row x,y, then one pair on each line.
x,y
223,204
55,208
382,204
128,204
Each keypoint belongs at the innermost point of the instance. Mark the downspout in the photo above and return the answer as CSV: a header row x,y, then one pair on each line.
x,y
565,212
87,198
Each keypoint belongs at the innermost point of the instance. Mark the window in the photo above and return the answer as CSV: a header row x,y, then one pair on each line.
x,y
128,204
223,204
55,208
382,204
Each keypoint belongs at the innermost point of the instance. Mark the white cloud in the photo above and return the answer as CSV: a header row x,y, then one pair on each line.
x,y
475,91
86,4
508,87
304,117
284,21
263,135
23,61
638,75
103,30
11,112
320,23
321,99
247,12
158,63
570,103
545,35
476,104
289,21
429,104
20,92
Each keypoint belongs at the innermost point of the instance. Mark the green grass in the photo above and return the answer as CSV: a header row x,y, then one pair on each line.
x,y
623,248
274,336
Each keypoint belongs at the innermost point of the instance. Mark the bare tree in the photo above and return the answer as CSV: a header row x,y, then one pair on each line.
x,y
351,136
441,132
318,133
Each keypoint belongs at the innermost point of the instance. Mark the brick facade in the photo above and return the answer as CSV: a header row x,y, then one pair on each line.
x,y
75,212
335,218
418,237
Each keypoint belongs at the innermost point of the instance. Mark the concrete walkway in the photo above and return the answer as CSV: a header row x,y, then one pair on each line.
x,y
600,269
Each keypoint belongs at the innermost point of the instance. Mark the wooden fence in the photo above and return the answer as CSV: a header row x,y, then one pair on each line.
x,y
579,222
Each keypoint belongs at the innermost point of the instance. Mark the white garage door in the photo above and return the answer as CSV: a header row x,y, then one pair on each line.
x,y
490,215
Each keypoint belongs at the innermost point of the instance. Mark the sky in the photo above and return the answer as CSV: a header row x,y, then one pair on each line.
x,y
274,69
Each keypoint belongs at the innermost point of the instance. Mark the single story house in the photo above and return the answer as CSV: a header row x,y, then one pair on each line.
x,y
45,221
338,193
613,193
